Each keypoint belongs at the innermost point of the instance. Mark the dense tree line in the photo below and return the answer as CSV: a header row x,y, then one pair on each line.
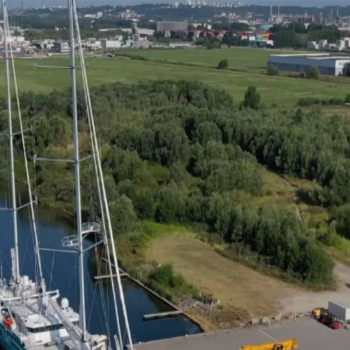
x,y
186,153
296,35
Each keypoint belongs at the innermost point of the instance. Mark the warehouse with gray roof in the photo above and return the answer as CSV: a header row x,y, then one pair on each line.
x,y
327,64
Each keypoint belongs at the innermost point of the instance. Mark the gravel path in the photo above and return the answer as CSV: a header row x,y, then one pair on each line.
x,y
297,300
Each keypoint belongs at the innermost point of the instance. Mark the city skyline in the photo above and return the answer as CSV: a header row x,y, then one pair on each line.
x,y
48,3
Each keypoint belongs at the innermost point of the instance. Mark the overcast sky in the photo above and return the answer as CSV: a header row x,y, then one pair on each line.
x,y
311,3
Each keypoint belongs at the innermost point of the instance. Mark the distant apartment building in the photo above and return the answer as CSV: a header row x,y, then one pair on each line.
x,y
173,26
61,47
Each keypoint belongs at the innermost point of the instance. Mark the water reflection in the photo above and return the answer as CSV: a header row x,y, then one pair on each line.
x,y
53,226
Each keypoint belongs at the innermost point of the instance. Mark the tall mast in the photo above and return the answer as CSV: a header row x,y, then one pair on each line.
x,y
82,311
12,162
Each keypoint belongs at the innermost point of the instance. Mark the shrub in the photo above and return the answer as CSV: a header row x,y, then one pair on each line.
x,y
272,70
346,70
223,64
312,72
166,277
311,101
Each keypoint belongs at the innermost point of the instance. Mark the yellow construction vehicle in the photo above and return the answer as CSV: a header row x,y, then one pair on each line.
x,y
280,345
318,313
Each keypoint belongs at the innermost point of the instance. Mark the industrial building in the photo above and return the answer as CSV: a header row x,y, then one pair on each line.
x,y
339,45
327,64
173,26
110,44
61,47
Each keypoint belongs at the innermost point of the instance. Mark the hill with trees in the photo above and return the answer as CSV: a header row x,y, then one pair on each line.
x,y
184,153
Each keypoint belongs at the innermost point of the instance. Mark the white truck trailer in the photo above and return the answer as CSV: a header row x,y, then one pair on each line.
x,y
339,310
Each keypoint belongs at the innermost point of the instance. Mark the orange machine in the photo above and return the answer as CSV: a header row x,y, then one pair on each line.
x,y
280,345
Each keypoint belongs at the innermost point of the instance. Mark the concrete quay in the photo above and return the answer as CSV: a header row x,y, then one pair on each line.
x,y
310,334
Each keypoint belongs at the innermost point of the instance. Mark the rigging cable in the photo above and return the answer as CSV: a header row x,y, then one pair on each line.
x,y
98,284
71,277
32,211
51,273
7,30
100,185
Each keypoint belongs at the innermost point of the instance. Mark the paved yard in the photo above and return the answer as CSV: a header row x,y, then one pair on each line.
x,y
310,334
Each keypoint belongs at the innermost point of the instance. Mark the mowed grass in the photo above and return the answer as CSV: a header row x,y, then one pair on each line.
x,y
239,58
236,286
280,90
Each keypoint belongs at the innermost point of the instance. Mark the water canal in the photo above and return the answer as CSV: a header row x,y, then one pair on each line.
x,y
63,269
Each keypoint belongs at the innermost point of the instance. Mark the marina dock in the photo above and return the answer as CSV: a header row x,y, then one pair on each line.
x,y
149,290
172,313
102,277
162,315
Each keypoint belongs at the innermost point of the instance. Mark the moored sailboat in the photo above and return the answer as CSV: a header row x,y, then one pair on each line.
x,y
33,317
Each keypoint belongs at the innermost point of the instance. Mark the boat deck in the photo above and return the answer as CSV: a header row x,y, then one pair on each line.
x,y
310,334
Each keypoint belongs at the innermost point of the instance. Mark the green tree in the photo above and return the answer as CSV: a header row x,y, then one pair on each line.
x,y
172,204
341,217
223,64
124,218
252,98
142,198
179,174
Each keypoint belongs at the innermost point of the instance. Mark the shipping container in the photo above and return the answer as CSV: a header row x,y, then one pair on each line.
x,y
339,310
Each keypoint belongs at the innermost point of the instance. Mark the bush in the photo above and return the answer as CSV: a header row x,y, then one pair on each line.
x,y
223,64
252,98
166,277
346,70
272,70
311,101
312,72
341,217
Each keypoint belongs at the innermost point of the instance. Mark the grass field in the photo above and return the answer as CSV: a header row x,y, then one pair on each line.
x,y
237,287
280,90
244,58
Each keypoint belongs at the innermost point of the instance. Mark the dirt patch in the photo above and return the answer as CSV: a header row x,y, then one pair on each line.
x,y
219,318
242,291
298,300
237,287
